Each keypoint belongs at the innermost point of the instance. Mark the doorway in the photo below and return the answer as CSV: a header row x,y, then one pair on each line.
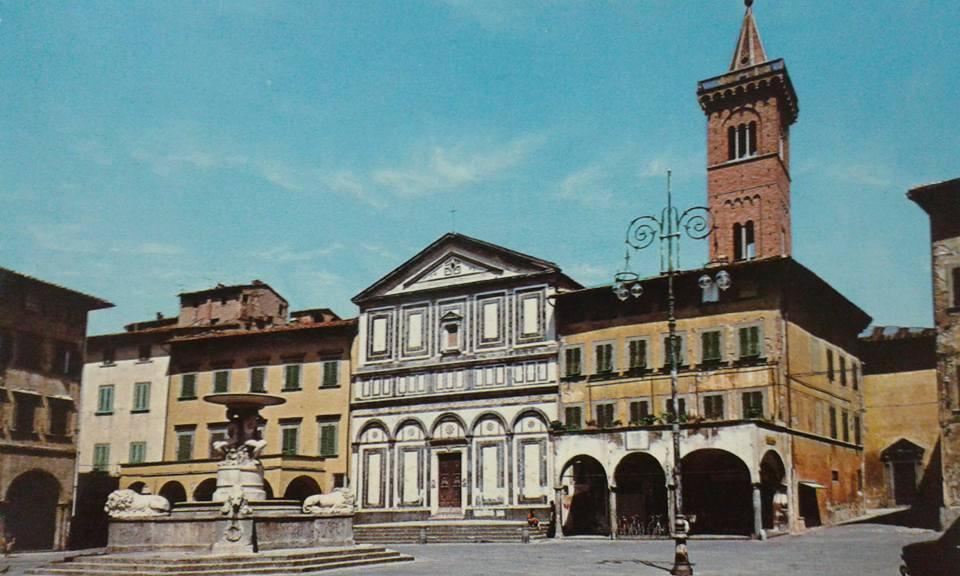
x,y
449,484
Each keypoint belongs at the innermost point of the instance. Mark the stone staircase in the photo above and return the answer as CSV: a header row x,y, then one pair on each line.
x,y
266,563
447,532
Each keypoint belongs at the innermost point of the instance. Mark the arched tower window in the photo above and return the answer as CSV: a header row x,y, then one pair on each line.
x,y
744,244
742,141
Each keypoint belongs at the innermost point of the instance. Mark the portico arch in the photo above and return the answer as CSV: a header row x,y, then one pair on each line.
x,y
174,492
204,490
641,493
586,496
773,492
31,512
300,488
718,491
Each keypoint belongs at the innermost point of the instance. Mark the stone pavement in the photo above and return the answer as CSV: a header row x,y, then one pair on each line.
x,y
857,549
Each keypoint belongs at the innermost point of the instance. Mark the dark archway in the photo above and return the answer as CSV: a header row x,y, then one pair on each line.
x,y
773,492
137,487
174,492
31,514
586,502
204,490
268,489
300,488
717,490
641,494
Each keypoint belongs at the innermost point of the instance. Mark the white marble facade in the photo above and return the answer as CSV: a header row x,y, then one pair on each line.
x,y
455,384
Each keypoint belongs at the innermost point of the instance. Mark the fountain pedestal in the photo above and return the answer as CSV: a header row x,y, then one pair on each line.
x,y
240,468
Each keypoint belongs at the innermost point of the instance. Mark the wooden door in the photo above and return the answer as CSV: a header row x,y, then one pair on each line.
x,y
449,484
904,482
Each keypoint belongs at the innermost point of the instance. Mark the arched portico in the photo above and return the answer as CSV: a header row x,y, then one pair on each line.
x,y
204,490
718,492
641,494
585,505
773,492
300,488
32,501
174,492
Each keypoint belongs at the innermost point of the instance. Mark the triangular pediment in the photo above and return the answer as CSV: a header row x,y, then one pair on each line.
x,y
455,260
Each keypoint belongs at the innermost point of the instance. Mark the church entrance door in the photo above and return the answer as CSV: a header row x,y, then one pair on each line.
x,y
449,480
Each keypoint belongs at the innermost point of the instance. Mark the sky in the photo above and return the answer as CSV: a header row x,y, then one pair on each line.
x,y
150,148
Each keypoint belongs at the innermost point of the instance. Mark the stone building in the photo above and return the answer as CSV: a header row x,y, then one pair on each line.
x,y
901,415
941,201
454,385
245,343
42,330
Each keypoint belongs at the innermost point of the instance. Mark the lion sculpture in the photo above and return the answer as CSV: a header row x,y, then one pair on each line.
x,y
340,501
129,504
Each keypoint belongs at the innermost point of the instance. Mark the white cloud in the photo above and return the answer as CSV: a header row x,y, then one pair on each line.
x,y
589,185
284,254
69,238
590,274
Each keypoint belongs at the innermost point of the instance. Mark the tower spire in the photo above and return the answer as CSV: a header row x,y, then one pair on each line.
x,y
749,50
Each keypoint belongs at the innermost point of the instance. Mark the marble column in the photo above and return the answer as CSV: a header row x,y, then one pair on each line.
x,y
558,511
612,501
757,513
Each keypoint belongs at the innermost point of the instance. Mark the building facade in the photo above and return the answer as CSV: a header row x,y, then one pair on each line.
x,y
941,201
42,331
454,385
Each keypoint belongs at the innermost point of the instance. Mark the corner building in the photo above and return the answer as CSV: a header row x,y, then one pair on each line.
x,y
454,386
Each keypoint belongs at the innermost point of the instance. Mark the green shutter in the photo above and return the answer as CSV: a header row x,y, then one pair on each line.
x,y
292,377
290,437
184,447
105,400
328,439
141,396
188,386
221,382
258,379
331,377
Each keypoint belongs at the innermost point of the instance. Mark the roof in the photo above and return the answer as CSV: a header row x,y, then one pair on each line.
x,y
88,301
285,329
224,289
876,333
749,51
931,196
314,312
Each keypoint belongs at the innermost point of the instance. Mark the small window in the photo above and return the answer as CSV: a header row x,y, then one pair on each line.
x,y
258,379
833,422
742,141
606,414
855,375
749,342
713,407
59,417
331,374
573,361
143,352
185,444
637,350
752,404
835,475
339,480
138,452
188,387
830,372
105,399
291,379
101,457
682,402
26,408
451,337
710,347
639,411
604,358
681,351
328,437
845,425
857,431
290,439
216,434
141,397
573,417
108,356
744,244
221,382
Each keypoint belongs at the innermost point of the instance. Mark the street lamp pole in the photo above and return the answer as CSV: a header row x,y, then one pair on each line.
x,y
641,233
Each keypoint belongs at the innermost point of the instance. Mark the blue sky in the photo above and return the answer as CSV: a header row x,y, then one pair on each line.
x,y
148,148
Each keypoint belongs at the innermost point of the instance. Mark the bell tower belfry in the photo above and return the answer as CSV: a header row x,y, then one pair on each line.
x,y
749,111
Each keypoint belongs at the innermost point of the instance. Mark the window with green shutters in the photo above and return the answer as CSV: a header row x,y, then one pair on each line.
x,y
105,399
639,411
573,365
328,438
573,416
138,452
667,348
604,358
750,342
752,404
290,439
188,386
713,407
682,402
184,445
606,414
258,379
710,347
331,374
637,350
291,379
141,397
833,422
101,457
843,370
221,381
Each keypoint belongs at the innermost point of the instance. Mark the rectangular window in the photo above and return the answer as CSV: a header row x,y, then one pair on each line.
x,y
639,411
138,452
573,361
604,358
491,321
26,408
331,376
710,347
59,416
682,402
752,404
845,425
258,379
105,399
749,342
415,331
216,434
290,439
531,316
606,414
328,437
830,374
185,444
835,475
101,457
141,397
843,370
188,387
108,355
857,432
855,373
637,350
451,336
291,379
833,422
143,352
379,336
573,417
713,407
667,350
221,381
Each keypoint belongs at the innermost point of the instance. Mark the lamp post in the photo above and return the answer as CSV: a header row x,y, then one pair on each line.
x,y
668,228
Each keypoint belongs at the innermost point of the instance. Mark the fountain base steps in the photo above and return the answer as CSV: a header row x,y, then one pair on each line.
x,y
447,532
302,561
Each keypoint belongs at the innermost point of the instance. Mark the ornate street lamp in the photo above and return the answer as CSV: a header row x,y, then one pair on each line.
x,y
668,228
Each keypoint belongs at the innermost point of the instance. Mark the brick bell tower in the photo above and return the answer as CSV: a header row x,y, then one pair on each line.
x,y
749,111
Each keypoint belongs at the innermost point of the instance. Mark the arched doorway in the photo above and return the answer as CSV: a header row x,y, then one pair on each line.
x,y
174,492
641,495
717,490
585,503
773,492
300,488
902,460
204,490
31,514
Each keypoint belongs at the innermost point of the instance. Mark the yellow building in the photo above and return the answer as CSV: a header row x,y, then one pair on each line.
x,y
769,400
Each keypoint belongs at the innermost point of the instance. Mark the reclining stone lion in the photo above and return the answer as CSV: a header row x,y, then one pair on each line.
x,y
129,504
340,501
